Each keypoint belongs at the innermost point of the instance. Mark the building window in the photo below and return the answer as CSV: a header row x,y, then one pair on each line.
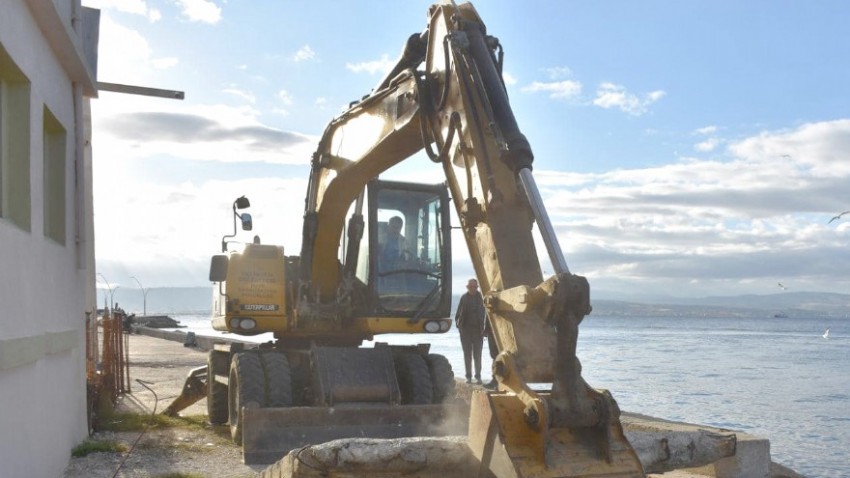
x,y
14,144
55,150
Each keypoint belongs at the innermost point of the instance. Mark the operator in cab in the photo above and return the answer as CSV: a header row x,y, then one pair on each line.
x,y
393,245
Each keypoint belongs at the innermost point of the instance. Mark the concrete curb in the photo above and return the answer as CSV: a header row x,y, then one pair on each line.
x,y
203,343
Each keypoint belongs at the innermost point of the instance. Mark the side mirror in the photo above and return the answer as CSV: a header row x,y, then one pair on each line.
x,y
247,222
218,268
242,203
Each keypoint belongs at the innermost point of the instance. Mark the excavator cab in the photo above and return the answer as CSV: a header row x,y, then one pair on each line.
x,y
409,244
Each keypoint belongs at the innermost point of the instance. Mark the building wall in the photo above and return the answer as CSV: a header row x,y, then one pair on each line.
x,y
46,277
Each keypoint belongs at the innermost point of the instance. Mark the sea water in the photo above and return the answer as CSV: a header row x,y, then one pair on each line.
x,y
777,378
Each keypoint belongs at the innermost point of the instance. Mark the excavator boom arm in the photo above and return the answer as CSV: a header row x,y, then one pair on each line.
x,y
457,109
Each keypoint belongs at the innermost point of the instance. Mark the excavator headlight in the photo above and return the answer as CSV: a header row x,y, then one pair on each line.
x,y
244,323
432,326
445,325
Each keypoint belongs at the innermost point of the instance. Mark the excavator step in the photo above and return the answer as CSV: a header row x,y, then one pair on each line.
x,y
270,433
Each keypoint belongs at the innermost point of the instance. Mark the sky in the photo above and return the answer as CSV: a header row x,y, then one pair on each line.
x,y
682,149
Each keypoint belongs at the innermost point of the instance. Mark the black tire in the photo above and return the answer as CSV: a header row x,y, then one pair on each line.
x,y
216,391
414,380
245,389
442,377
278,380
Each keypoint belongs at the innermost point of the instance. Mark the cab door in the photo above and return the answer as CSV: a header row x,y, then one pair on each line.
x,y
409,243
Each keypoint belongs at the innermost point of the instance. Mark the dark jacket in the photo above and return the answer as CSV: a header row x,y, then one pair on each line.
x,y
470,314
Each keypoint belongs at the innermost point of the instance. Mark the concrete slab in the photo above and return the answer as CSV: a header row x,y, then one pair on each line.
x,y
752,460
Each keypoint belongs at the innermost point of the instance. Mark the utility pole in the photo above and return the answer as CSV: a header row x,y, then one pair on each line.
x,y
110,290
111,294
144,297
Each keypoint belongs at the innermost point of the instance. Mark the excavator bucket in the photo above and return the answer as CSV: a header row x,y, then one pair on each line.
x,y
270,433
505,445
194,389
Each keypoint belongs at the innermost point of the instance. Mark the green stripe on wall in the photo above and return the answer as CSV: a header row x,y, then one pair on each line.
x,y
24,350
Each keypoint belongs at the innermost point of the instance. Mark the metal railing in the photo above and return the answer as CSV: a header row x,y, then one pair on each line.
x,y
107,357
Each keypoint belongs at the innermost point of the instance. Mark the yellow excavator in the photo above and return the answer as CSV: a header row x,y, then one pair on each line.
x,y
376,259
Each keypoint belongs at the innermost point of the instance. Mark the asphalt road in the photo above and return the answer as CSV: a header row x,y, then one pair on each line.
x,y
163,366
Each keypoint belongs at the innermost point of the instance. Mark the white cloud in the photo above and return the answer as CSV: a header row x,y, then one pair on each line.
x,y
321,102
136,7
708,145
135,127
706,130
610,95
202,11
286,100
124,54
558,90
284,97
245,95
755,218
195,10
164,63
558,72
508,78
384,65
304,54
819,147
655,96
184,223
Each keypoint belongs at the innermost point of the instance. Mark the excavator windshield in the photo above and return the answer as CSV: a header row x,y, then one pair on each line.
x,y
408,240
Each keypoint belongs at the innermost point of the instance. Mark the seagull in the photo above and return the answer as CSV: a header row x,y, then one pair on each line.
x,y
826,334
782,286
835,218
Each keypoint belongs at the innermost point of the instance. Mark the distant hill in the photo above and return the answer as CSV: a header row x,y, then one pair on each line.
x,y
790,304
169,300
163,300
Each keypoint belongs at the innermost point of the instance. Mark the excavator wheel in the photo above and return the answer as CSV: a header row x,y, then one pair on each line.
x,y
216,391
442,377
245,389
414,379
278,380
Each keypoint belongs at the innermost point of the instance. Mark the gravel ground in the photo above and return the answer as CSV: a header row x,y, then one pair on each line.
x,y
191,450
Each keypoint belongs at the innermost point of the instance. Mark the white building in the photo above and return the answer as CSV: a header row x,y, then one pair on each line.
x,y
47,75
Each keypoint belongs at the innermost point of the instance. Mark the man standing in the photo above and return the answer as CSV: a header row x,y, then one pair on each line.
x,y
470,319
